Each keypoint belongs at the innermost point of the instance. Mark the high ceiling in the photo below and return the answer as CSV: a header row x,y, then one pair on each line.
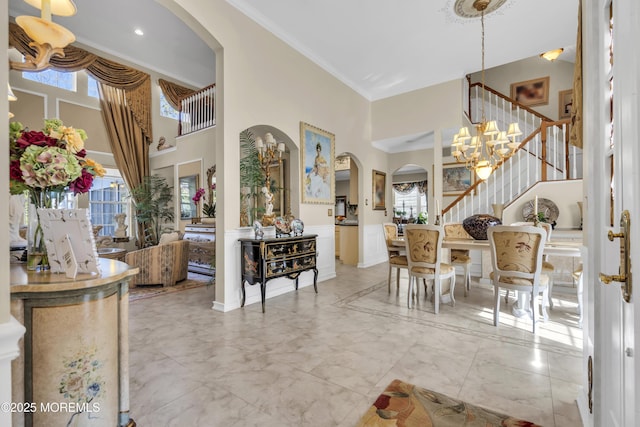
x,y
380,48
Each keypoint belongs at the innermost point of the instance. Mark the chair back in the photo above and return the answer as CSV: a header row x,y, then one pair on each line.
x,y
390,232
423,243
455,230
544,225
516,251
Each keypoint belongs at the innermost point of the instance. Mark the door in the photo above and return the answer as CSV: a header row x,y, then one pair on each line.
x,y
611,117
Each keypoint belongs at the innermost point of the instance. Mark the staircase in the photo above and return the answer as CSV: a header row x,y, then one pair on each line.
x,y
543,155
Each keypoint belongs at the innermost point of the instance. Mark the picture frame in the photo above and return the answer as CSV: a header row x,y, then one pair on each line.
x,y
565,102
317,165
456,179
379,185
531,92
63,226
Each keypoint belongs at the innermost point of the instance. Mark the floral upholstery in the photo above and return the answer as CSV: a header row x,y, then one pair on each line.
x,y
424,245
160,265
396,260
403,404
516,258
459,257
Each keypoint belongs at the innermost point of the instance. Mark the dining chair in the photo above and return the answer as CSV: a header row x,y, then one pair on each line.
x,y
423,243
547,268
516,259
459,257
396,259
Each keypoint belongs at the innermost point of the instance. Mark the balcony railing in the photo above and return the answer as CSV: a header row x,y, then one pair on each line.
x,y
197,111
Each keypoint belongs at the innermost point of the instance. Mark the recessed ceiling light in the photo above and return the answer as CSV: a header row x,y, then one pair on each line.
x,y
139,32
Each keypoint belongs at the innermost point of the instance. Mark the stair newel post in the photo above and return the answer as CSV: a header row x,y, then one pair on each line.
x,y
543,151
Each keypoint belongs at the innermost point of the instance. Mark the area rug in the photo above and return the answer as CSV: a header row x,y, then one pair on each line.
x,y
193,281
403,404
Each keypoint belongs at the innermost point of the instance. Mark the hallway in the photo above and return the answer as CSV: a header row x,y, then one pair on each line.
x,y
321,360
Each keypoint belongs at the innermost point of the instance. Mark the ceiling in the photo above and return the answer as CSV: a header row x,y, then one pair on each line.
x,y
377,47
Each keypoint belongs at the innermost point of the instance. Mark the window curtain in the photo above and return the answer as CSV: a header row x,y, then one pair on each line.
x,y
125,97
408,187
575,136
174,92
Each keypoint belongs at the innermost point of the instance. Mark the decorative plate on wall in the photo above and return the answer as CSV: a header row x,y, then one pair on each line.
x,y
546,206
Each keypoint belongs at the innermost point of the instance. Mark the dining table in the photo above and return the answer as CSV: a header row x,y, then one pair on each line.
x,y
566,248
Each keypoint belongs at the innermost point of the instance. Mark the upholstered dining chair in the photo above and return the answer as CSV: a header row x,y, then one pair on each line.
x,y
459,257
516,259
547,268
396,259
424,255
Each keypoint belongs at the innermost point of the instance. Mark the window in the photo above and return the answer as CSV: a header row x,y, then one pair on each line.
x,y
53,78
108,196
411,203
92,87
166,110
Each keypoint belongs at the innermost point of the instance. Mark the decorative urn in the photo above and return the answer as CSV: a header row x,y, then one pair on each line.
x,y
476,225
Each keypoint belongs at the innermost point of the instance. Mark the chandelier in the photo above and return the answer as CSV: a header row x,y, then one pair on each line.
x,y
489,145
49,38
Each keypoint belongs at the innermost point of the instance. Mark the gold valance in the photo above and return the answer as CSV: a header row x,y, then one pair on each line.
x,y
135,83
174,92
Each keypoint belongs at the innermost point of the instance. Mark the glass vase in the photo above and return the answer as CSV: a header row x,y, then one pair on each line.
x,y
37,259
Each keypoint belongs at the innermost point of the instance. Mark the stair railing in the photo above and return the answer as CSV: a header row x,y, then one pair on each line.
x,y
197,111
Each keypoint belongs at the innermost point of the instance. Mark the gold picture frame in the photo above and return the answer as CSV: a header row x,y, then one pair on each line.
x,y
317,165
456,179
565,102
531,92
379,185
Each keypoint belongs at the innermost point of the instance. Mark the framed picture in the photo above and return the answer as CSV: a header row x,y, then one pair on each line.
x,y
456,179
317,165
379,185
62,228
565,102
531,92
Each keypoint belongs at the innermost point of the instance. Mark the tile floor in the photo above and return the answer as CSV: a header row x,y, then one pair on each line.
x,y
321,360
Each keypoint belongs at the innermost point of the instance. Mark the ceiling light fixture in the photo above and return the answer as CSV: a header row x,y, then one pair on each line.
x,y
551,55
487,147
49,38
138,32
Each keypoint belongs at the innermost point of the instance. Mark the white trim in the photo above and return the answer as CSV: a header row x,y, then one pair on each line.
x,y
79,104
10,334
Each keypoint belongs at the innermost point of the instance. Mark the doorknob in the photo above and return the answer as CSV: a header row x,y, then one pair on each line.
x,y
625,258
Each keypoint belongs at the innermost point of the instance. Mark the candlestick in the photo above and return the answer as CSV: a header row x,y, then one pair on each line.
x,y
437,207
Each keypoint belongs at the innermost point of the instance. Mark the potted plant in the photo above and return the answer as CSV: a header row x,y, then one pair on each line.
x,y
153,208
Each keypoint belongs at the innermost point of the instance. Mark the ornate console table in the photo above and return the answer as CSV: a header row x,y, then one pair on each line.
x,y
202,247
266,259
73,367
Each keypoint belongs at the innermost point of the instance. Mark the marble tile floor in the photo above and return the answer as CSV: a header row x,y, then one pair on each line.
x,y
321,360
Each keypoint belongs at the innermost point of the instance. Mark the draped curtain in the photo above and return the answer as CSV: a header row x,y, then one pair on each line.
x,y
408,187
125,97
575,137
174,92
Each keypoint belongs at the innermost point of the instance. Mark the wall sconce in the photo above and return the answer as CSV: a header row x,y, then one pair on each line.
x,y
551,55
48,37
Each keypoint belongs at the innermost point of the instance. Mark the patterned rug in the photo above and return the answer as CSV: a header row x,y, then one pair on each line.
x,y
406,405
193,280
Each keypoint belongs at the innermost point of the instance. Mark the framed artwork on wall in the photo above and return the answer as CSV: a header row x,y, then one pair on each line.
x,y
531,92
456,179
379,184
317,165
565,102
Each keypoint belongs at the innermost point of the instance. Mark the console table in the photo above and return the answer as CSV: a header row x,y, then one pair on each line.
x,y
76,347
266,259
202,247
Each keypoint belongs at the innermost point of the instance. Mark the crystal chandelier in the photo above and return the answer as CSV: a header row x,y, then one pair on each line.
x,y
490,145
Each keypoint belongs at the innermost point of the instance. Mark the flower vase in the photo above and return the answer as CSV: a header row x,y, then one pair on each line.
x,y
37,259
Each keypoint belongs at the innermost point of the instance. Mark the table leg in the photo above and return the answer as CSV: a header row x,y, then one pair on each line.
x,y
263,292
243,292
315,279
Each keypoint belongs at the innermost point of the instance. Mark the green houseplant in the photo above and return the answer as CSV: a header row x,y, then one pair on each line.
x,y
153,208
